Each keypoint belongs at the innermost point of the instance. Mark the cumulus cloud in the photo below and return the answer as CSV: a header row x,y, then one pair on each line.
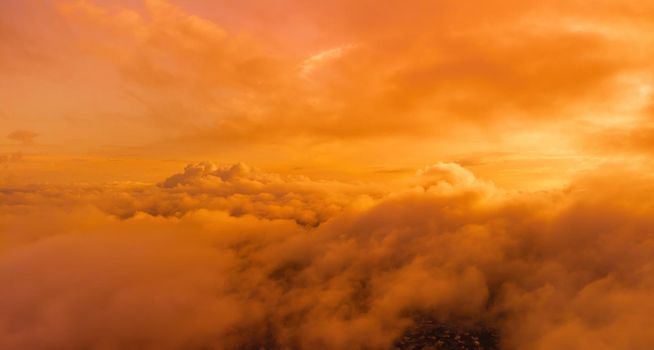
x,y
567,268
241,190
449,175
237,189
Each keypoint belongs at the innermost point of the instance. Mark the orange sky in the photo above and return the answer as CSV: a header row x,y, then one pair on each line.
x,y
525,94
501,148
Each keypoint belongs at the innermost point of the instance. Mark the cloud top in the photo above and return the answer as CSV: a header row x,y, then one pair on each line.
x,y
247,265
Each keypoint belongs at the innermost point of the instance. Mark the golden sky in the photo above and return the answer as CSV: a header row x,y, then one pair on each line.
x,y
525,94
496,152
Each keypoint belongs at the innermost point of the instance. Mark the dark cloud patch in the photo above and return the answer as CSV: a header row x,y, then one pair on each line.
x,y
22,136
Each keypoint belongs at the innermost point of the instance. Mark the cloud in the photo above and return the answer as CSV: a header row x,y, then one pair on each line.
x,y
237,189
224,256
634,141
477,66
567,268
448,174
314,62
8,158
22,136
430,81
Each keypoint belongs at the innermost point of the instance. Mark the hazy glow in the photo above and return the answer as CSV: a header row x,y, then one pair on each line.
x,y
319,169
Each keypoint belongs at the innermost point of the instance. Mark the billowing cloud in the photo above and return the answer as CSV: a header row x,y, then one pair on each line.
x,y
237,189
566,268
535,223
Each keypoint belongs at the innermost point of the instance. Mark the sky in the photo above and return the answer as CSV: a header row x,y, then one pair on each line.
x,y
213,172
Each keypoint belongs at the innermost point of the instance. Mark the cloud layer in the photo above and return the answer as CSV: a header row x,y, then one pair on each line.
x,y
537,222
568,268
345,85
